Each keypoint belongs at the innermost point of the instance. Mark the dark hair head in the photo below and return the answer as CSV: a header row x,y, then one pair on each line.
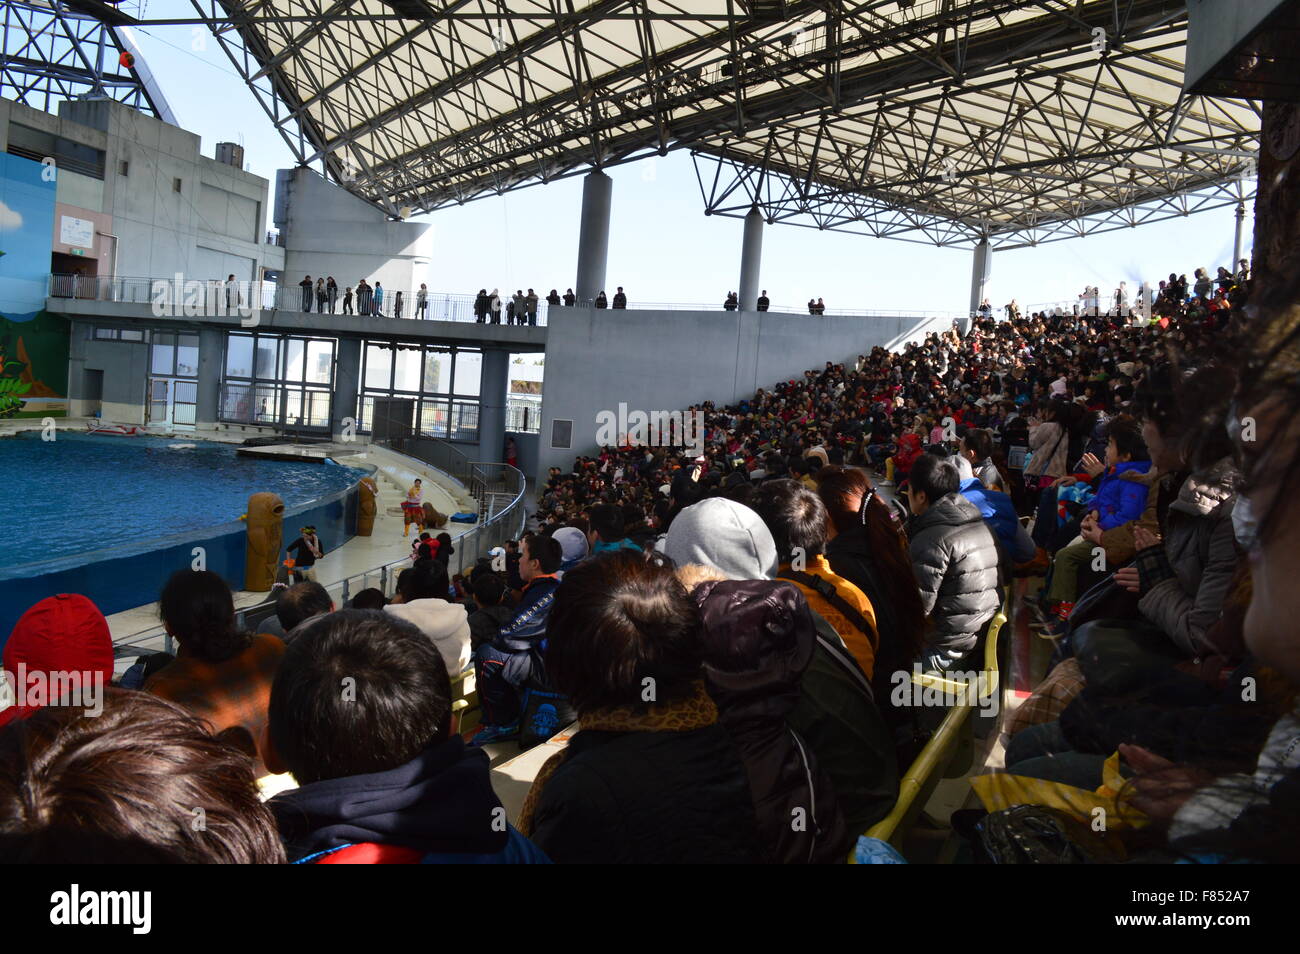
x,y
124,788
1126,431
198,609
358,692
979,440
426,580
795,516
489,588
546,550
617,622
608,522
1189,410
371,598
934,476
301,601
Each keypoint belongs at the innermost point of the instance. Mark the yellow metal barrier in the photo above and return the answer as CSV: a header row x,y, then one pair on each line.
x,y
921,777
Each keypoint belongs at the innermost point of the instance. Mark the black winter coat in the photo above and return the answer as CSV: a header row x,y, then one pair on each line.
x,y
648,798
759,639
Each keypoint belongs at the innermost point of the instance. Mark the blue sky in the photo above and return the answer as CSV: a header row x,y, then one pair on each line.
x,y
662,246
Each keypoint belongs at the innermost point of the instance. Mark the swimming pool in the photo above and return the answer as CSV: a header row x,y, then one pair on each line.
x,y
83,492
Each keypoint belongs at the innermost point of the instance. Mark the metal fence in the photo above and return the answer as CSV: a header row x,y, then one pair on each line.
x,y
178,297
500,492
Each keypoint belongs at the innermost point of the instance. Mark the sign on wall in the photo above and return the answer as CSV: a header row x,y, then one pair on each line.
x,y
74,231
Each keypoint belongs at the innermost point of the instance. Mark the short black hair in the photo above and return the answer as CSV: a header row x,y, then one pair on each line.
x,y
489,588
300,601
1126,431
372,597
359,692
795,516
980,440
935,476
546,550
426,580
618,622
607,521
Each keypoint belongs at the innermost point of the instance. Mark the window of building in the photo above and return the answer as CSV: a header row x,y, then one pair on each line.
x,y
280,379
123,168
436,386
176,185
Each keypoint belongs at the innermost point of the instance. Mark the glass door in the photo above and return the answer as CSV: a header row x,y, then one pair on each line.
x,y
159,401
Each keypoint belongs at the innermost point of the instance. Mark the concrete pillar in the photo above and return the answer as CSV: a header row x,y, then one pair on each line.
x,y
979,278
211,353
593,238
347,387
492,406
751,260
1236,242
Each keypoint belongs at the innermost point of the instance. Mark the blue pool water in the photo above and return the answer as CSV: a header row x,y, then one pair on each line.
x,y
82,492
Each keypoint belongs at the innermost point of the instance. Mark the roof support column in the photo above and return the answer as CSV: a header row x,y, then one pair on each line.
x,y
347,388
1236,242
593,237
979,278
751,258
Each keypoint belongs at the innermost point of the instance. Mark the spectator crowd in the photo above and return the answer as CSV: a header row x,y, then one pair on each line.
x,y
729,630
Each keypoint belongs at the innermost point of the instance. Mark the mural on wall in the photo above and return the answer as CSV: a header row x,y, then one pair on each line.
x,y
33,342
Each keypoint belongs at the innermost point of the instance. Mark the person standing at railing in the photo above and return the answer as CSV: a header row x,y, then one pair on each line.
x,y
569,298
620,300
422,303
397,305
481,303
364,297
812,306
232,294
763,301
331,293
495,304
553,299
601,300
305,285
731,302
379,299
347,300
530,306
321,296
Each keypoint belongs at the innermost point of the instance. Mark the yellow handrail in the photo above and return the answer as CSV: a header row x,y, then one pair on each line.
x,y
923,774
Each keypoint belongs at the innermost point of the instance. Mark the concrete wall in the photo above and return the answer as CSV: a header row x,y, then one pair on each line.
x,y
159,229
329,231
666,360
126,373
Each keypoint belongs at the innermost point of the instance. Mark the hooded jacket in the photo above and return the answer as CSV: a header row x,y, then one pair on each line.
x,y
955,557
1121,499
61,634
437,808
1186,581
836,712
759,638
447,624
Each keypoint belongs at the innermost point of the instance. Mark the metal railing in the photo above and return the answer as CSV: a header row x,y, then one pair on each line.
x,y
502,518
211,297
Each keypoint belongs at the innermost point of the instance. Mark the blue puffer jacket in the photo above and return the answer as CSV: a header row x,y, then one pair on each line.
x,y
1118,500
997,510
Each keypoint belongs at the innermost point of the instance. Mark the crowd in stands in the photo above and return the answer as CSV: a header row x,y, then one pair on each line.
x,y
729,628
